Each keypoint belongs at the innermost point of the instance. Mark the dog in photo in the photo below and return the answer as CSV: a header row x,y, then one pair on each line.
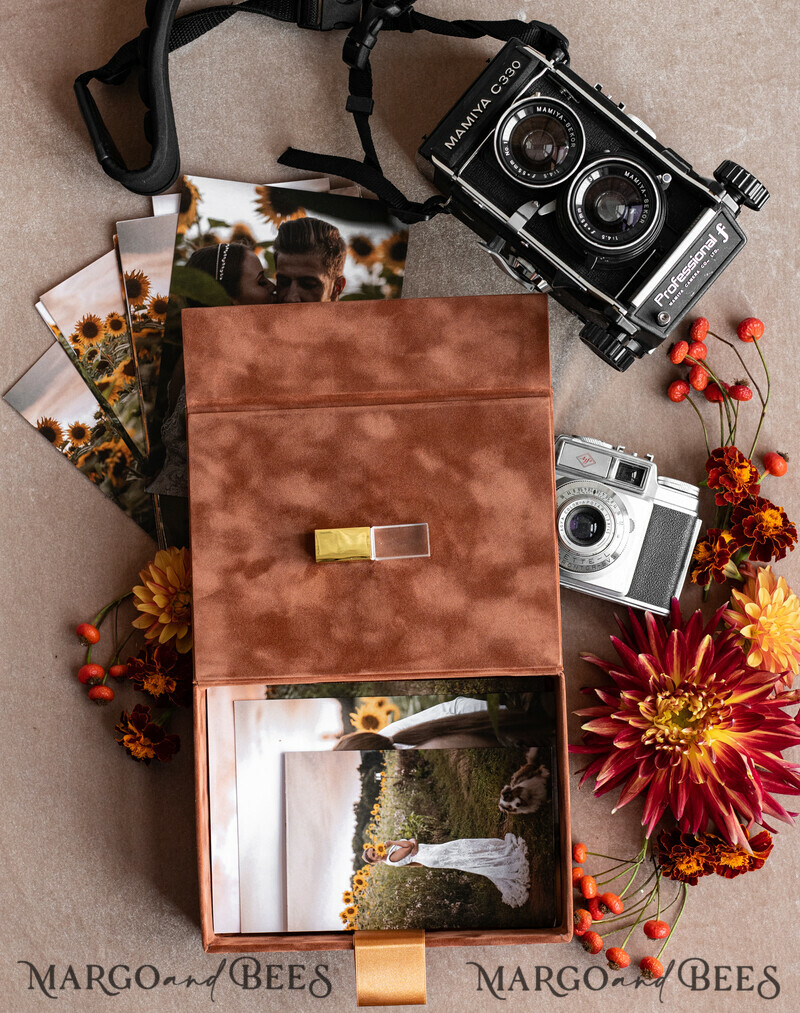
x,y
528,787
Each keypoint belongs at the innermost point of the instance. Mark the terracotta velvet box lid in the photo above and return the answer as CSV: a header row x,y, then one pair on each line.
x,y
356,415
310,416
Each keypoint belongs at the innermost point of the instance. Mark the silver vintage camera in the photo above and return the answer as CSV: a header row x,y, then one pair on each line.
x,y
624,533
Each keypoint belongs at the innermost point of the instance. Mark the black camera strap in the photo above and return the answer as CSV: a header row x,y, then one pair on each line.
x,y
148,54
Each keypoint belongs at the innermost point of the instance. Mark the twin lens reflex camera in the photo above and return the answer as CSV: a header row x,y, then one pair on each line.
x,y
573,196
624,533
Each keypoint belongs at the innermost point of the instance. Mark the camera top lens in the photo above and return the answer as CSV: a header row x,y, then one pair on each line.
x,y
613,208
585,525
592,524
539,141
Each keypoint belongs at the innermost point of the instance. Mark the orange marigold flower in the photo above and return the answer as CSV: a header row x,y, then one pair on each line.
x,y
732,475
685,857
165,599
144,738
764,528
159,670
766,614
689,724
712,558
735,861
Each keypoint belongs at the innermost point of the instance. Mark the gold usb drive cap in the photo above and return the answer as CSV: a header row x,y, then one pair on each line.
x,y
388,541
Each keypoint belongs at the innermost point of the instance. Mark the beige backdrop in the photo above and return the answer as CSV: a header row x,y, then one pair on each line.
x,y
98,853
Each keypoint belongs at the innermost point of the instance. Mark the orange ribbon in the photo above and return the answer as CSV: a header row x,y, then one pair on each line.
x,y
390,968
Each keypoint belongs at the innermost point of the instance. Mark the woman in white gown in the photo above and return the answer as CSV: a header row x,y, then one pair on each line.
x,y
503,861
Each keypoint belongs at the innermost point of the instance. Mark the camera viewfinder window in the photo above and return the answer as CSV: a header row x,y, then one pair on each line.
x,y
630,474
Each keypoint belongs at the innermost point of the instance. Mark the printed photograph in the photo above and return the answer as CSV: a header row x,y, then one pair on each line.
x,y
419,839
86,314
247,798
53,398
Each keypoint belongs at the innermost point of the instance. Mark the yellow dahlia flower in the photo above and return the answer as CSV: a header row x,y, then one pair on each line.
x,y
767,615
165,599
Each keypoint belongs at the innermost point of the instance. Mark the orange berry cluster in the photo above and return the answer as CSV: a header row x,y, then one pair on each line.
x,y
93,675
598,906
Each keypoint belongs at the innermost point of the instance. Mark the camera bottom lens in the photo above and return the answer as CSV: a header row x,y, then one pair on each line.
x,y
613,208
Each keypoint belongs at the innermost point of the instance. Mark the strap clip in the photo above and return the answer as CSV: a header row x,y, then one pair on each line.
x,y
359,104
362,38
325,15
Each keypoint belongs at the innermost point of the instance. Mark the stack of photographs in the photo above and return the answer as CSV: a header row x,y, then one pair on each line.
x,y
407,805
109,392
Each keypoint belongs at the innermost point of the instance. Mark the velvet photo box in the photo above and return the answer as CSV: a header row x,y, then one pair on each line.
x,y
315,416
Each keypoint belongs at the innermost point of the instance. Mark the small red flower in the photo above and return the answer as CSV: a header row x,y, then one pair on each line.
x,y
656,929
698,377
579,853
651,968
698,350
733,861
591,942
740,392
699,329
161,672
764,528
732,475
678,352
617,958
776,463
678,390
87,634
91,674
143,738
750,329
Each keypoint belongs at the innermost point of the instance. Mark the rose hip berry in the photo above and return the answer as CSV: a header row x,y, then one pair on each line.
x,y
713,394
617,958
697,350
651,968
91,674
656,929
750,329
118,671
87,633
595,909
678,352
577,875
699,329
592,942
678,390
588,887
613,903
101,694
579,853
776,463
582,921
698,377
740,392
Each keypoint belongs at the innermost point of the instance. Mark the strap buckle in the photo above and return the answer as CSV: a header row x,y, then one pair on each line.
x,y
325,15
362,38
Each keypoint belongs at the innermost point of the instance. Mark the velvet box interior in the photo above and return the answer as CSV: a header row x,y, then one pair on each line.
x,y
311,416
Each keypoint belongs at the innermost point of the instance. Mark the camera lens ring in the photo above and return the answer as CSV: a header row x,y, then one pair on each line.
x,y
576,555
539,141
613,207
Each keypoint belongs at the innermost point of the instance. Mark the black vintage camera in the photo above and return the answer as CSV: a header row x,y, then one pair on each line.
x,y
574,197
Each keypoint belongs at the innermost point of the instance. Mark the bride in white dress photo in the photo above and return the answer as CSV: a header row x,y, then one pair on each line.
x,y
503,861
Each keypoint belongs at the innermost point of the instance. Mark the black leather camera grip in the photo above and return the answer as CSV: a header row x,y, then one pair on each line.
x,y
662,564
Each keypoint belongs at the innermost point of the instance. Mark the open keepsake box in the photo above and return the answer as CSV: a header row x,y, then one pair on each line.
x,y
362,414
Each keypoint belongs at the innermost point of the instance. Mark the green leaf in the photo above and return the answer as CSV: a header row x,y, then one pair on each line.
x,y
191,283
217,223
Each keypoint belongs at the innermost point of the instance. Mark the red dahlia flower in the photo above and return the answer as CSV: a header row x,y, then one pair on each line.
x,y
764,528
732,475
688,722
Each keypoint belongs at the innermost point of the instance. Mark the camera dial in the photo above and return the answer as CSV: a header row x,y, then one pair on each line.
x,y
592,525
614,208
539,141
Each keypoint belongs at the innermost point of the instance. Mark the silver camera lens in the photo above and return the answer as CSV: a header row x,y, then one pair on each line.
x,y
614,207
592,525
539,141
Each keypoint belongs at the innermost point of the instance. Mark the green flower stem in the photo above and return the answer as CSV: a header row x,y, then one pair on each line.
x,y
702,423
115,659
722,439
765,402
637,864
750,376
641,914
611,868
613,858
683,905
100,617
164,717
727,400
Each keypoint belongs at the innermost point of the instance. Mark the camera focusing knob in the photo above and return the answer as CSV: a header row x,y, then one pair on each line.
x,y
608,346
743,186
